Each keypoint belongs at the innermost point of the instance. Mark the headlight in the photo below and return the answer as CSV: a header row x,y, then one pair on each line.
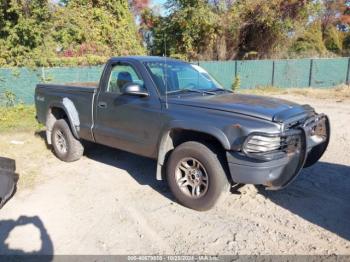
x,y
262,144
272,146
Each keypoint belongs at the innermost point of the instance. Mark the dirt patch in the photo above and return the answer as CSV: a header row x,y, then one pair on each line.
x,y
110,203
31,155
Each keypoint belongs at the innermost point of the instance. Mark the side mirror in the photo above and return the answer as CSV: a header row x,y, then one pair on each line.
x,y
134,90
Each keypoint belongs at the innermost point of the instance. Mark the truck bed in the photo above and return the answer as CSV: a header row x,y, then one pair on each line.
x,y
77,95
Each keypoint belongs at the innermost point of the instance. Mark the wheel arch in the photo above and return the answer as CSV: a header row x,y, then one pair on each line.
x,y
179,133
62,110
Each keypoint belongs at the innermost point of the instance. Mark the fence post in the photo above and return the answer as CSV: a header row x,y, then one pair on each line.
x,y
43,79
347,72
310,73
273,73
236,64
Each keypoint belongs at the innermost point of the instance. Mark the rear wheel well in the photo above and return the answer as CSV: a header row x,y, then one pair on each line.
x,y
54,114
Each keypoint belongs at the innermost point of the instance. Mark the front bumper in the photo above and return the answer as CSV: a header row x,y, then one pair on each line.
x,y
278,172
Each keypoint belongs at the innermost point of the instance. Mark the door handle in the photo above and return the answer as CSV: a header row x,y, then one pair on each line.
x,y
102,104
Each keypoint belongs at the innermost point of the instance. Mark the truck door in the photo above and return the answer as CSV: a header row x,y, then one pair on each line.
x,y
124,121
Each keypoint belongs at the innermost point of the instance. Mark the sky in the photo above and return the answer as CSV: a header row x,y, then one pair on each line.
x,y
159,4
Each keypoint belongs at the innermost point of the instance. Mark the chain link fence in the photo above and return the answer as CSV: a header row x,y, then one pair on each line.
x,y
321,73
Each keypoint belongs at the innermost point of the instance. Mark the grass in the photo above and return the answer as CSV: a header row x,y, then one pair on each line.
x,y
339,93
18,118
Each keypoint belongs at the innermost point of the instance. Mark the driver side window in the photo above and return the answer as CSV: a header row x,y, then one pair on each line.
x,y
120,76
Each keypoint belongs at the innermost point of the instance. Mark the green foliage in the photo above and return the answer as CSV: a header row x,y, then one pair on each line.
x,y
236,83
18,118
265,28
346,42
334,40
205,30
86,32
190,30
96,28
76,32
311,40
10,98
251,29
24,27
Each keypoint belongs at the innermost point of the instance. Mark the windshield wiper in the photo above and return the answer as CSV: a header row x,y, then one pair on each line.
x,y
190,90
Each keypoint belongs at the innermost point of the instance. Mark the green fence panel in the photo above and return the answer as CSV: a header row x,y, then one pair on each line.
x,y
20,81
252,73
73,74
291,73
223,71
255,73
329,72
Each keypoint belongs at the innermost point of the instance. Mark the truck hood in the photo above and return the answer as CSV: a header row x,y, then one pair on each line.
x,y
272,109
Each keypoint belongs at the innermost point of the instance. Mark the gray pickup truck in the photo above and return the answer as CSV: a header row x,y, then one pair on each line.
x,y
204,137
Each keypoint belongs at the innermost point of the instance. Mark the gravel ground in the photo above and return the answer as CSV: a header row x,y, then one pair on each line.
x,y
110,203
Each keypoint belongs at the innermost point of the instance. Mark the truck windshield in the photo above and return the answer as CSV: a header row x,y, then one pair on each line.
x,y
172,77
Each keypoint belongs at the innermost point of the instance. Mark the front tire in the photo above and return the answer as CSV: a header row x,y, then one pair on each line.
x,y
196,176
66,147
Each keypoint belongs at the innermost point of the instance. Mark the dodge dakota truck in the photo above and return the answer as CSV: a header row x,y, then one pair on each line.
x,y
204,137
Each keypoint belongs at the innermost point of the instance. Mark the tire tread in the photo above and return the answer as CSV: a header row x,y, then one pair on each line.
x,y
75,147
217,175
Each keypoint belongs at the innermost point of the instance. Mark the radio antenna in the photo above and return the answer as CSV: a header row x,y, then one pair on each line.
x,y
165,74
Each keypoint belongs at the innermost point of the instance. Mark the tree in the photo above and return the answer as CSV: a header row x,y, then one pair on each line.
x,y
139,5
189,31
98,27
39,32
268,27
223,29
24,26
326,34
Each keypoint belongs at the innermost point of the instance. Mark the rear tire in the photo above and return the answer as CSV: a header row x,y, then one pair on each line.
x,y
66,147
196,176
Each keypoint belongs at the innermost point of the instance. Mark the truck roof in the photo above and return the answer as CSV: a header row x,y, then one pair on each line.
x,y
145,58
